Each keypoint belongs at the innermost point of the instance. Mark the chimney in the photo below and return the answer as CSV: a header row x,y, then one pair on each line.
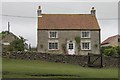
x,y
39,11
8,27
93,11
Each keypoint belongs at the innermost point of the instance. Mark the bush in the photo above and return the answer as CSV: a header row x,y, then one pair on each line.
x,y
109,52
103,48
118,50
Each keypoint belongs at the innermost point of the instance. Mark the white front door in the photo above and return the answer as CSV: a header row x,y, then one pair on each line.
x,y
71,47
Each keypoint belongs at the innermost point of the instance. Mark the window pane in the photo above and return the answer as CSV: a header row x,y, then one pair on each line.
x,y
53,46
50,47
87,45
118,39
87,34
56,45
82,45
83,34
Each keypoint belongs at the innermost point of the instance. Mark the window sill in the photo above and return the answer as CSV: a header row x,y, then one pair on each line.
x,y
85,49
86,37
53,49
53,38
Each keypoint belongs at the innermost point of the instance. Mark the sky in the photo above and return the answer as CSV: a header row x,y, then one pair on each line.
x,y
23,15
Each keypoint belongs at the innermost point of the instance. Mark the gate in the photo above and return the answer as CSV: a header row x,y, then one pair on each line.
x,y
95,60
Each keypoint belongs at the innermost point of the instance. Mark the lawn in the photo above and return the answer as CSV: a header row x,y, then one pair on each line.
x,y
41,69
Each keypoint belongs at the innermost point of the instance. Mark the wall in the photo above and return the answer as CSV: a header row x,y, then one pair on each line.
x,y
63,36
74,59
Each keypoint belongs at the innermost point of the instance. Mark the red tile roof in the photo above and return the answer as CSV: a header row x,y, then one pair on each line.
x,y
107,41
68,21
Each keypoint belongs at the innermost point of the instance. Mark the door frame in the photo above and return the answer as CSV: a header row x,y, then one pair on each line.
x,y
71,52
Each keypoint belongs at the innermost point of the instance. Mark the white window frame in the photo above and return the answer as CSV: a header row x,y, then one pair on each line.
x,y
85,41
53,41
85,31
53,31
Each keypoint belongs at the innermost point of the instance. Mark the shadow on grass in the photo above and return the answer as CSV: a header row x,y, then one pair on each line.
x,y
41,75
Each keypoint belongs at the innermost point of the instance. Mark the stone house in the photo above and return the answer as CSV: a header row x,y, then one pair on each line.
x,y
112,41
8,38
73,34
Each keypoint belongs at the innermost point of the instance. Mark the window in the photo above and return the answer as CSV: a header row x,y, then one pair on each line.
x,y
53,45
85,45
118,39
85,34
70,45
53,34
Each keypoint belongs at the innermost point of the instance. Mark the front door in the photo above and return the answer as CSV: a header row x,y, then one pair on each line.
x,y
71,47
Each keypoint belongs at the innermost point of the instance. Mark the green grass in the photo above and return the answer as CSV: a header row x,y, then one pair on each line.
x,y
29,68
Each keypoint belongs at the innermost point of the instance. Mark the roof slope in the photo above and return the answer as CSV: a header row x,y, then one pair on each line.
x,y
68,21
107,41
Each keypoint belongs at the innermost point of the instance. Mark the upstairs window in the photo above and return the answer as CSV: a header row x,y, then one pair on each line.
x,y
53,34
85,34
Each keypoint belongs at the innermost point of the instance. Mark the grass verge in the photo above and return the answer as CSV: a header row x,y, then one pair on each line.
x,y
42,69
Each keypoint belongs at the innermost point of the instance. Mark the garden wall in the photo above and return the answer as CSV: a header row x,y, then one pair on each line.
x,y
72,59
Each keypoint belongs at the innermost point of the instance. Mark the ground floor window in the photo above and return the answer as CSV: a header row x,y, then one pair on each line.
x,y
85,45
53,45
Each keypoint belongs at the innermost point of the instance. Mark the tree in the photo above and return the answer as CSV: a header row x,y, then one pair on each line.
x,y
18,44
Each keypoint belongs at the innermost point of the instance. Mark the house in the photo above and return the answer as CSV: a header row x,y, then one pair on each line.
x,y
72,34
112,41
7,38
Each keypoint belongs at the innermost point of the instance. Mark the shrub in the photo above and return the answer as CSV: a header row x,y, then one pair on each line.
x,y
109,51
103,48
118,50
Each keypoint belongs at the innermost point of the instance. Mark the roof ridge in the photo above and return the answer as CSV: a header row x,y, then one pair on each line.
x,y
109,38
66,14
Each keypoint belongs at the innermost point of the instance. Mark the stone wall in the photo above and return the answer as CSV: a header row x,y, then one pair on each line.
x,y
63,37
71,59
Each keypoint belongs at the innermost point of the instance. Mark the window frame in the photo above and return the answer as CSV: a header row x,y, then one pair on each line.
x,y
86,41
53,41
50,34
86,32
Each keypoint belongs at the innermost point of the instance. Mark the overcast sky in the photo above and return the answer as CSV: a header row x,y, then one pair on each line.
x,y
107,14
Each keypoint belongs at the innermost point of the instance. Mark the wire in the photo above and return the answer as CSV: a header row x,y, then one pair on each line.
x,y
37,17
18,16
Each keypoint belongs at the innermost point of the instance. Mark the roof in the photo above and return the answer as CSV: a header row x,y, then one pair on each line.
x,y
68,21
107,41
8,37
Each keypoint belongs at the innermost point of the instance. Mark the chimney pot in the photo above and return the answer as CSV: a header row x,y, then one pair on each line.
x,y
39,7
